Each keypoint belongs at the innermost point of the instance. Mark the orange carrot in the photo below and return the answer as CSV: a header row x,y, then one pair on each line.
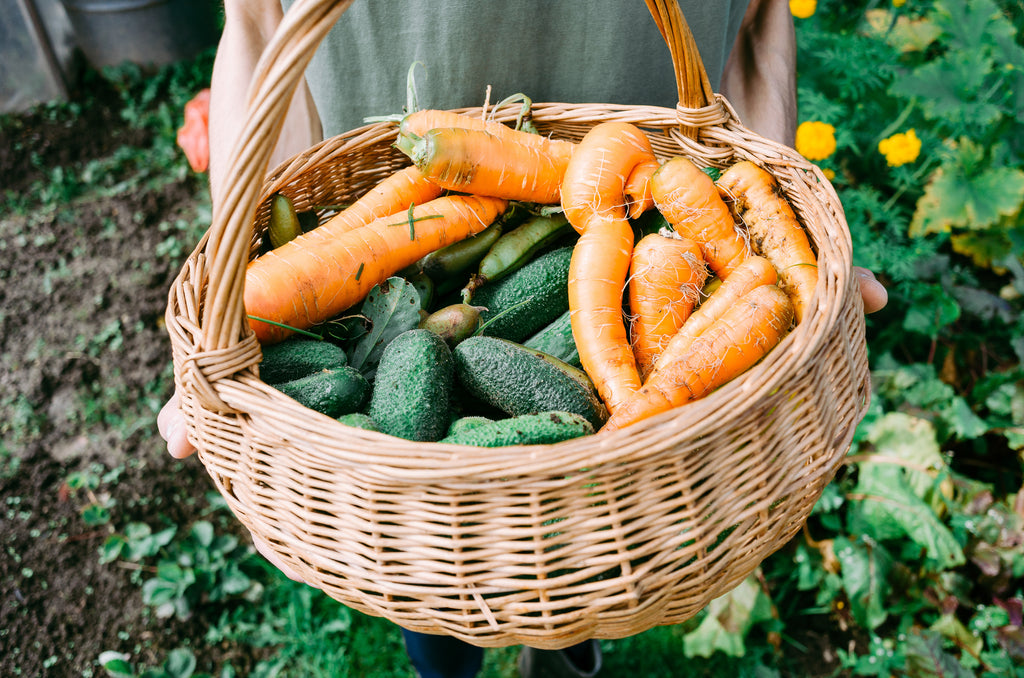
x,y
418,123
303,283
481,163
665,277
594,203
597,273
394,194
752,273
638,188
774,230
594,184
690,202
734,343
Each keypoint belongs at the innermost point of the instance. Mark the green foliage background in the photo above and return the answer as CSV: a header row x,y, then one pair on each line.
x,y
913,559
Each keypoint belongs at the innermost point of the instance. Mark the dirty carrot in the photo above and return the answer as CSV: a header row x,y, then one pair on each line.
x,y
595,179
752,273
689,200
394,194
665,278
774,230
303,282
730,346
597,273
638,188
481,163
418,123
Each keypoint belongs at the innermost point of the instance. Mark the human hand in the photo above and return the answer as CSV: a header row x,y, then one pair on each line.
x,y
873,292
173,430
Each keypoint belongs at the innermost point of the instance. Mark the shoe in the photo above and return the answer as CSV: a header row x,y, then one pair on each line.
x,y
579,661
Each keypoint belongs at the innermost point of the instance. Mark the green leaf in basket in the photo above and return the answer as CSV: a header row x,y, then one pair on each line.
x,y
392,307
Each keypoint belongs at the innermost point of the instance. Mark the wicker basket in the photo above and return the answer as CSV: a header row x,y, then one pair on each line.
x,y
603,536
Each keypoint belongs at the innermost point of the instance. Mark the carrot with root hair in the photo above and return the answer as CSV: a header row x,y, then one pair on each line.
x,y
774,230
595,180
597,274
594,203
638,188
689,201
665,278
306,282
481,163
754,272
731,345
418,123
394,194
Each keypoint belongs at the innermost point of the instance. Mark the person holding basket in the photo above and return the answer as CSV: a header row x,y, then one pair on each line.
x,y
606,51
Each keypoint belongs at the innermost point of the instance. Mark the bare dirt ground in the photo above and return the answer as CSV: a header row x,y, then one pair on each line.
x,y
85,365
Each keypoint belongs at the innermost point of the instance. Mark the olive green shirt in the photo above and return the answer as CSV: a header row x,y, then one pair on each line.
x,y
574,51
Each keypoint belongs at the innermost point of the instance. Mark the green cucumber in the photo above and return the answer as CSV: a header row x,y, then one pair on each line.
x,y
332,392
297,357
543,428
528,299
556,340
359,420
518,380
412,390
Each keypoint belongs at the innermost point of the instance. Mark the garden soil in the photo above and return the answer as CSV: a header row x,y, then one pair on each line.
x,y
85,366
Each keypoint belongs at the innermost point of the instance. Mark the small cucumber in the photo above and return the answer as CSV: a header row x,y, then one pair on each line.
x,y
460,256
453,323
528,299
466,423
332,392
518,380
297,357
543,428
412,391
284,221
359,420
556,340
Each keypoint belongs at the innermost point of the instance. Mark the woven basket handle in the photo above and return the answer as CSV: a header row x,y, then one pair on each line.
x,y
278,73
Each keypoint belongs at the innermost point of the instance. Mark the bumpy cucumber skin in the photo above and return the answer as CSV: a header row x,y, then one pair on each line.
x,y
543,428
518,380
359,420
527,299
411,396
468,422
297,357
331,392
556,340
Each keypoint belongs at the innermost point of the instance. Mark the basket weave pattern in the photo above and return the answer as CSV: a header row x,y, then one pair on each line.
x,y
603,536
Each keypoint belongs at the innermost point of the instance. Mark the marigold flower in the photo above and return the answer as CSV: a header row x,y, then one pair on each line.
x,y
901,148
815,140
803,9
898,3
829,173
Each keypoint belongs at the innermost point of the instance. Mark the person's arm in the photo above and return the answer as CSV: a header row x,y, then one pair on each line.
x,y
760,75
248,27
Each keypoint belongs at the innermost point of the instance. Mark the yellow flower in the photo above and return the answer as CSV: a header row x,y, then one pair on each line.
x,y
899,149
829,173
803,9
898,3
815,140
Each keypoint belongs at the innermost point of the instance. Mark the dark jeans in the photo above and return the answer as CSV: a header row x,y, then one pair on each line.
x,y
446,657
442,656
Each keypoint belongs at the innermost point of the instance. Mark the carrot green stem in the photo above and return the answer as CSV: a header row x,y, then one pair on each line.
x,y
314,335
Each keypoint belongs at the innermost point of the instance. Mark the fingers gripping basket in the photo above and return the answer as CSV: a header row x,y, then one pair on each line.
x,y
603,536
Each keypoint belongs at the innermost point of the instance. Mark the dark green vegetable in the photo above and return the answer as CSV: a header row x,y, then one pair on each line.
x,y
332,392
298,357
528,299
411,396
543,428
556,340
518,380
